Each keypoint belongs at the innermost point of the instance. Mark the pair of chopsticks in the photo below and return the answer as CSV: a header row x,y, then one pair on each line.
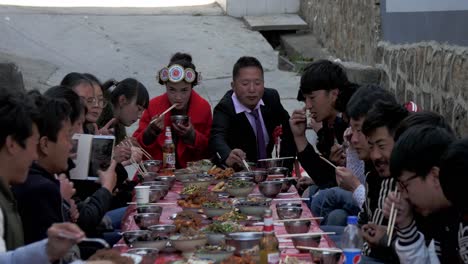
x,y
145,153
298,219
305,234
392,219
332,250
165,112
291,199
133,203
322,157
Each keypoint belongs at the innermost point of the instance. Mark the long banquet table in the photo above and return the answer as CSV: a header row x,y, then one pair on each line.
x,y
286,245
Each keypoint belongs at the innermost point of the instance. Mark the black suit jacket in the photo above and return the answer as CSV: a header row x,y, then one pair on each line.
x,y
231,130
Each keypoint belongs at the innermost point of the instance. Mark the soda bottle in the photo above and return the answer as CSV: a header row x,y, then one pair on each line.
x,y
269,244
352,242
169,157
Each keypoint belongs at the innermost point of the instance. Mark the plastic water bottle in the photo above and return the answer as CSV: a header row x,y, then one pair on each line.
x,y
351,242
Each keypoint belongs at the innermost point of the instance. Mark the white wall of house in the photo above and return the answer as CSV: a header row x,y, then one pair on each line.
x,y
240,8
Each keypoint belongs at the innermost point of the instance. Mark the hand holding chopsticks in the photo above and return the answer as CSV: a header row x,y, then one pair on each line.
x,y
163,113
392,218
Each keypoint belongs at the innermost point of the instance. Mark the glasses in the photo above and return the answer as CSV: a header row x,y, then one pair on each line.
x,y
94,101
404,184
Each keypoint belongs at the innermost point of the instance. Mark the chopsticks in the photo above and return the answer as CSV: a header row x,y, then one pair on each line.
x,y
165,112
291,199
333,250
305,234
246,165
145,153
133,203
392,219
327,161
298,219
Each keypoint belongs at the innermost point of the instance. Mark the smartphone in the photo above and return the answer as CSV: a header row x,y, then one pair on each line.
x,y
101,154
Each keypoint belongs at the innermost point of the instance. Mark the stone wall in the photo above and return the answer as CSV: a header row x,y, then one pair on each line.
x,y
349,29
435,76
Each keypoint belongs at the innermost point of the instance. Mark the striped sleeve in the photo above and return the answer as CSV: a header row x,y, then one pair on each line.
x,y
408,235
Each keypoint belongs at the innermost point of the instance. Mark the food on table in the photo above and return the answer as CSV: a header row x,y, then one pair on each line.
x,y
239,184
186,220
239,260
221,174
196,200
292,260
219,187
233,215
191,189
223,227
217,204
110,255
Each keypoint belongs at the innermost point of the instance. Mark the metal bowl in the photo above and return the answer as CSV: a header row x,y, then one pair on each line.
x,y
187,245
202,183
152,165
155,194
131,237
243,240
159,243
289,212
278,171
149,255
287,182
240,192
270,163
184,176
164,189
306,241
170,180
289,204
143,221
217,256
162,230
144,209
320,256
242,178
180,119
251,208
149,176
259,175
270,189
297,227
242,174
214,212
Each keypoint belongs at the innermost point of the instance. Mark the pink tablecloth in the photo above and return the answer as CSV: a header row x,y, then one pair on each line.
x,y
171,208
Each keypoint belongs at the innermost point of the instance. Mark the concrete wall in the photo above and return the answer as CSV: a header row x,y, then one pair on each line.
x,y
350,29
432,73
240,8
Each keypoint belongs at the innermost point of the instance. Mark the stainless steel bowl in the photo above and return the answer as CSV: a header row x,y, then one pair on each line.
x,y
162,230
243,240
152,165
270,163
143,209
270,189
149,176
163,188
180,119
136,235
143,221
306,241
170,180
297,227
155,194
216,238
287,182
240,192
148,255
278,171
242,178
243,174
289,204
259,175
289,212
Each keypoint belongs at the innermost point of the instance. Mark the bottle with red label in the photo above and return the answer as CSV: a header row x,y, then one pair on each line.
x,y
169,157
269,244
352,242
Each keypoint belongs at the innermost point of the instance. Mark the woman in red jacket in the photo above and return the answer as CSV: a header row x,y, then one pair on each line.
x,y
191,140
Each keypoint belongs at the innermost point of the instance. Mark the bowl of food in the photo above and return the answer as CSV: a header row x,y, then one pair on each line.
x,y
286,183
170,180
243,240
153,242
311,240
270,163
234,215
148,255
270,189
253,206
148,176
297,227
242,178
152,165
291,212
200,180
180,120
156,194
184,176
239,188
243,174
217,208
216,232
188,242
259,175
144,209
143,221
130,237
162,230
217,253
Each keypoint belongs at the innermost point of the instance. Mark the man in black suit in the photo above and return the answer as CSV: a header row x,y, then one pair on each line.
x,y
245,119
